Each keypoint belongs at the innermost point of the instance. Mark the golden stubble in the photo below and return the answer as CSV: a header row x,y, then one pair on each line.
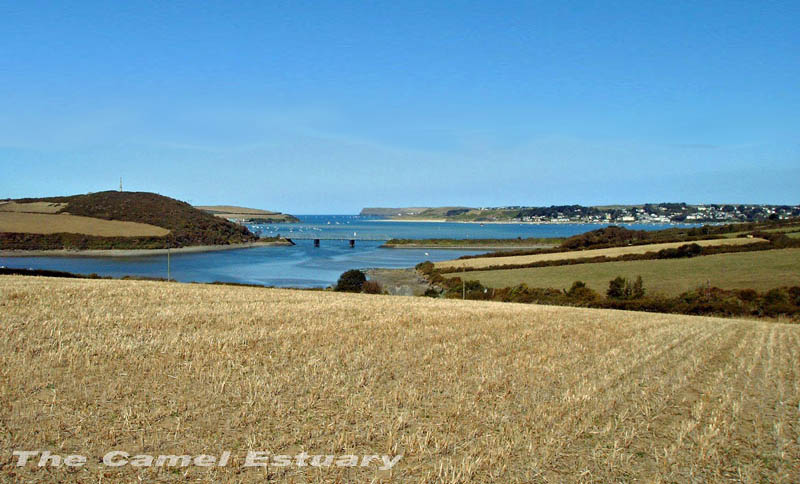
x,y
484,262
467,391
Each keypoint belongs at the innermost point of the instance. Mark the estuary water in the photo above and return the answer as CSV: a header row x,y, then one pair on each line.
x,y
304,265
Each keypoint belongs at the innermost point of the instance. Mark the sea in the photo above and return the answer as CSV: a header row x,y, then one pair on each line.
x,y
303,265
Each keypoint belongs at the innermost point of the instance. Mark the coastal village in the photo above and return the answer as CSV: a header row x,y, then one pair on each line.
x,y
655,213
649,213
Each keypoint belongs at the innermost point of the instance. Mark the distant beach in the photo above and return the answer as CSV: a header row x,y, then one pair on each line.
x,y
410,220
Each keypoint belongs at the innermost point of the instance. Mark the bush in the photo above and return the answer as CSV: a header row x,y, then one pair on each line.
x,y
747,295
351,281
623,289
774,296
425,267
687,250
580,293
456,289
610,235
794,293
372,287
637,291
616,288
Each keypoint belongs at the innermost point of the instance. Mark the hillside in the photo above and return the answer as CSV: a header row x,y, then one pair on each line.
x,y
418,213
33,219
468,391
43,223
661,213
391,212
249,215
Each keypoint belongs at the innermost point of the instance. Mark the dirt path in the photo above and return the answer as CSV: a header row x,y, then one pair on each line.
x,y
399,282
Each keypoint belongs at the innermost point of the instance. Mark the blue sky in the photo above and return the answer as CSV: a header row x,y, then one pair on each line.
x,y
326,107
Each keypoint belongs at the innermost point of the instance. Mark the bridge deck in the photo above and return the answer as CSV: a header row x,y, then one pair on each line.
x,y
312,237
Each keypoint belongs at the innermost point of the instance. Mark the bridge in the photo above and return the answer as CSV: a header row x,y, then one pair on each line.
x,y
351,239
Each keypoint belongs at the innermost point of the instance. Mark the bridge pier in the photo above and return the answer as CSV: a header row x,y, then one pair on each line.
x,y
351,240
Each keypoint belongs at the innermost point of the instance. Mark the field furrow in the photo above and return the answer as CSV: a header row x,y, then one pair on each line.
x,y
466,391
610,439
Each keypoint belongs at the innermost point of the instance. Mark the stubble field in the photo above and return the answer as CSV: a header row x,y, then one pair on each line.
x,y
45,223
466,391
484,262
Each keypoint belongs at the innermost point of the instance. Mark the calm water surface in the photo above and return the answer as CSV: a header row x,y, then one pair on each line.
x,y
304,265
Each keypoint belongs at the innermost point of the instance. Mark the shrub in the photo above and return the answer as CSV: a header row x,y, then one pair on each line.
x,y
456,289
637,291
794,293
623,289
425,267
686,250
577,285
616,288
372,287
775,296
609,235
747,295
351,281
580,293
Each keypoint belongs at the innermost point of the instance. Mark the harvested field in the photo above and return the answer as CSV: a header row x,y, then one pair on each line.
x,y
761,270
480,262
467,391
232,210
41,223
31,207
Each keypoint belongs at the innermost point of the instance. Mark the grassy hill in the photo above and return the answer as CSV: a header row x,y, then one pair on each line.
x,y
391,212
244,214
187,225
466,391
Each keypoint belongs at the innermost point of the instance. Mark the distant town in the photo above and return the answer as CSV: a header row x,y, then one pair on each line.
x,y
647,213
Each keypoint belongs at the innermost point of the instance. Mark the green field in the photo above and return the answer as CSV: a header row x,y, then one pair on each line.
x,y
791,231
757,270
